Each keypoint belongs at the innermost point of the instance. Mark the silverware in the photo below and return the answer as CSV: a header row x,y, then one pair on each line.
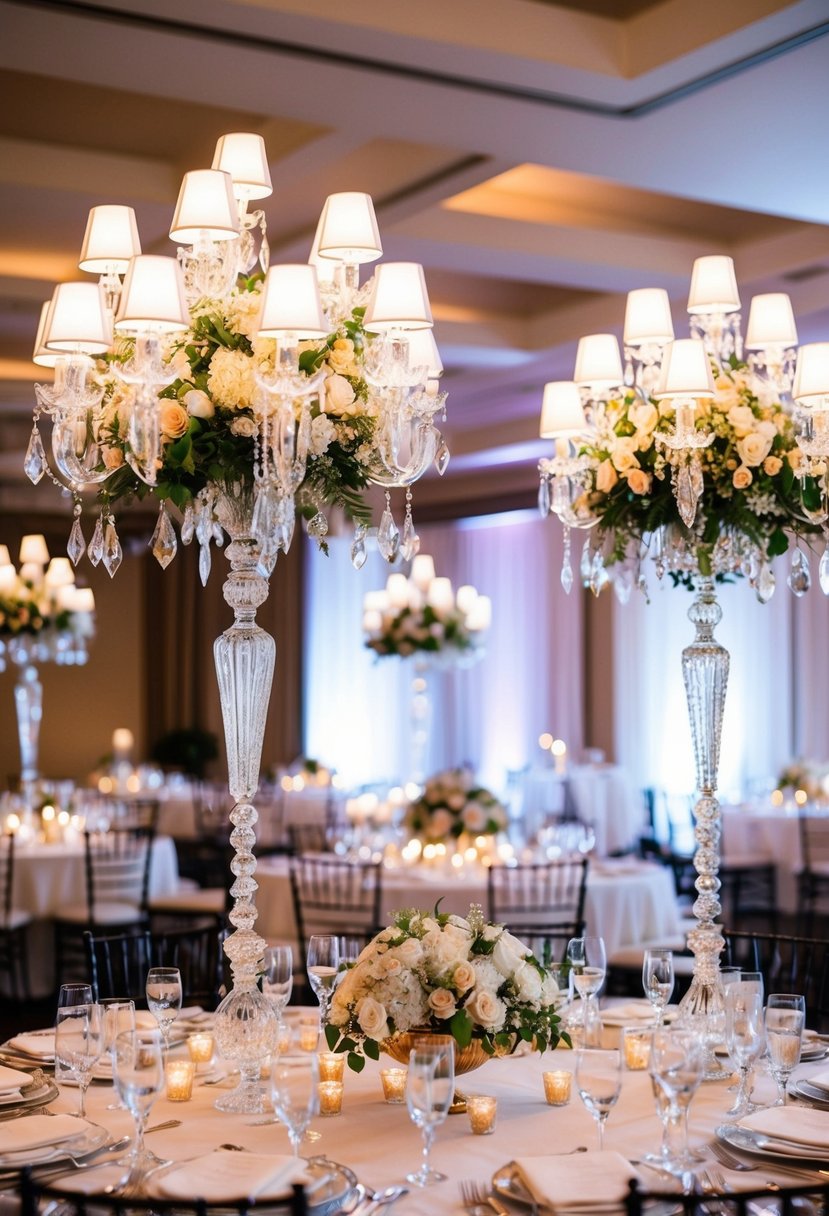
x,y
732,1162
160,1127
475,1194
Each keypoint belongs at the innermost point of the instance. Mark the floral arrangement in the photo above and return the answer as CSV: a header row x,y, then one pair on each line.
x,y
208,417
422,629
453,804
750,489
24,612
809,776
456,975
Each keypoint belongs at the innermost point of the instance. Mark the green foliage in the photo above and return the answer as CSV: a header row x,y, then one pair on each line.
x,y
189,749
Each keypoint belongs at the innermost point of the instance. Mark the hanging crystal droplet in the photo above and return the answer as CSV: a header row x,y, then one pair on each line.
x,y
112,550
623,586
163,542
76,545
766,583
188,524
388,536
823,571
318,526
96,545
442,457
204,563
264,254
544,498
410,543
800,579
598,575
686,497
358,548
267,559
567,575
35,463
585,565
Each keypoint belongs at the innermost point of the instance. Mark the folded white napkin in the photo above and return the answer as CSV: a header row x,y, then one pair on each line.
x,y
35,1131
820,1079
39,1044
12,1080
223,1177
577,1180
797,1125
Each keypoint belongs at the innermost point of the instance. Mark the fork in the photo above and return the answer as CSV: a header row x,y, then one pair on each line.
x,y
475,1195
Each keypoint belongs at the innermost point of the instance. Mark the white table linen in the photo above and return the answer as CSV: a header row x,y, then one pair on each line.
x,y
600,794
766,833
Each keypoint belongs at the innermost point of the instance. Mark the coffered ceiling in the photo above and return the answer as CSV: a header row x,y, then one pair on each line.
x,y
540,159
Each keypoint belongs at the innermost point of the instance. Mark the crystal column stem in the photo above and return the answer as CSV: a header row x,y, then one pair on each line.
x,y
705,671
421,715
28,700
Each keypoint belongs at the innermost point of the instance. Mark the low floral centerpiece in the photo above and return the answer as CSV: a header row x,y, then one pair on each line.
x,y
441,974
452,805
808,776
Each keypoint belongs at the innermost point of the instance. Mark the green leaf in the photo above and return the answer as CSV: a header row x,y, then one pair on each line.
x,y
349,1044
778,543
460,1027
356,1063
332,1036
372,1049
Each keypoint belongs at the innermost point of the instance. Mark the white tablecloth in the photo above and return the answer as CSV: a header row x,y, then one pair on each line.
x,y
627,903
601,794
766,834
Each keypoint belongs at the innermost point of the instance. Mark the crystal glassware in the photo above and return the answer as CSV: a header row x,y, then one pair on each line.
x,y
658,979
676,1065
138,1075
75,994
323,965
599,1081
78,1045
294,1079
278,977
430,1085
164,995
785,1019
744,1037
118,1017
588,965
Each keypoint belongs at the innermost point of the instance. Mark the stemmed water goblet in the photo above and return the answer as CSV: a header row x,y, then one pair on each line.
x,y
294,1079
677,1063
744,1037
588,965
430,1085
78,1045
118,1016
323,962
658,980
598,1077
138,1076
164,998
278,977
785,1019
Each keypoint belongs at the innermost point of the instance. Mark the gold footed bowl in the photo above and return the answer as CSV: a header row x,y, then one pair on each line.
x,y
399,1046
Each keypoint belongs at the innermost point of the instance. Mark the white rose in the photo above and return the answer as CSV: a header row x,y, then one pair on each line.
x,y
339,395
410,952
644,417
508,954
442,1002
485,1009
527,982
323,434
754,448
244,426
474,817
441,823
445,948
198,404
372,1018
741,419
623,455
387,965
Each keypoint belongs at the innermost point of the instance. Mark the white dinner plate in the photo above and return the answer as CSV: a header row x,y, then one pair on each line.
x,y
39,1092
812,1093
76,1146
766,1146
327,1187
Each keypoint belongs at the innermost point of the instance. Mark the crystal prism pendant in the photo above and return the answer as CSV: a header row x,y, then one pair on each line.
x,y
76,545
598,575
585,565
318,526
766,583
112,550
442,457
35,463
544,498
687,493
410,543
204,562
388,536
163,542
823,571
800,579
96,545
188,524
358,548
567,575
623,586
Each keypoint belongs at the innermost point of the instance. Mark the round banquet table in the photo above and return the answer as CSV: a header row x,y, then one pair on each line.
x,y
628,902
599,794
766,833
381,1145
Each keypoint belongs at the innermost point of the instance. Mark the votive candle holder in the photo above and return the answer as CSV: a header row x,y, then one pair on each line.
x,y
394,1084
201,1047
481,1109
331,1065
636,1047
557,1087
309,1034
179,1076
331,1097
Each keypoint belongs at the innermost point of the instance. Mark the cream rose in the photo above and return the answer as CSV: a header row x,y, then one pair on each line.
x,y
474,817
339,395
440,823
742,478
198,404
442,1003
244,426
387,965
606,477
341,357
173,419
644,417
623,455
794,457
772,465
741,418
639,481
754,448
409,952
463,977
485,1009
372,1018
232,379
113,457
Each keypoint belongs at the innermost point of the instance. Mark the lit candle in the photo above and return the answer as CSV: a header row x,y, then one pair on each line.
x,y
309,1033
440,596
122,741
331,1097
559,750
200,1046
331,1065
394,1084
12,823
481,1110
397,590
636,1044
179,1075
557,1087
479,617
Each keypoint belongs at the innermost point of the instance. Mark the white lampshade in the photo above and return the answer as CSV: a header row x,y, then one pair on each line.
x,y
423,571
242,155
153,299
41,356
466,598
60,572
811,378
397,590
480,617
771,322
562,413
110,240
440,595
375,601
424,353
78,319
8,578
598,362
348,229
648,317
205,207
291,303
686,371
5,557
713,285
84,600
399,299
31,572
33,549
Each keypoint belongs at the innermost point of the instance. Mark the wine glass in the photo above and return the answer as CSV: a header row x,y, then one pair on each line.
x,y
294,1079
350,950
118,1016
323,964
278,977
430,1086
138,1075
744,1037
164,998
75,994
588,965
78,1044
785,1019
658,979
677,1063
599,1081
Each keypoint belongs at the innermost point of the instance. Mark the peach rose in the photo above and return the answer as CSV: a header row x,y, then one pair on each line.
x,y
772,465
606,477
742,478
485,1009
639,481
113,457
442,1003
463,977
173,419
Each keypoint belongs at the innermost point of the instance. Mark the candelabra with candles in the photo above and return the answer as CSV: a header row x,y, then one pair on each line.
x,y
709,465
421,618
44,618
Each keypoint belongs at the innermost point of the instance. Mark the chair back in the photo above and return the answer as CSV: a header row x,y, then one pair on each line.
x,y
814,839
541,898
117,868
335,896
117,964
788,964
6,878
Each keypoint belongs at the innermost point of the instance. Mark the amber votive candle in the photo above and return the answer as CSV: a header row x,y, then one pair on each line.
x,y
481,1109
557,1087
331,1097
394,1084
331,1065
309,1034
636,1046
200,1047
179,1076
